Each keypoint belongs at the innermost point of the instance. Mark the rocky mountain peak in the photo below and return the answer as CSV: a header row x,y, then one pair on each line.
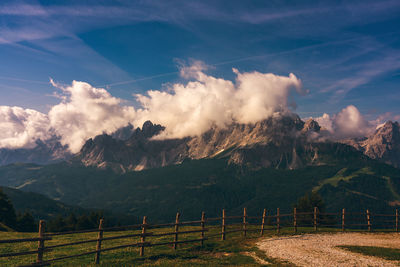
x,y
123,133
311,126
384,144
100,143
147,131
388,132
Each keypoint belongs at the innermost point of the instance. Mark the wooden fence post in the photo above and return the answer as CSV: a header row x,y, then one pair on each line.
x,y
315,219
278,226
143,237
295,219
203,221
397,220
223,225
369,221
244,221
41,242
263,221
343,222
176,230
98,245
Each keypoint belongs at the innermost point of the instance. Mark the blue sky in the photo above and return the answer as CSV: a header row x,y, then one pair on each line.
x,y
345,52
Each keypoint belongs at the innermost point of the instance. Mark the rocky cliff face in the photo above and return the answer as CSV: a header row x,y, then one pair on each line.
x,y
384,144
278,142
138,152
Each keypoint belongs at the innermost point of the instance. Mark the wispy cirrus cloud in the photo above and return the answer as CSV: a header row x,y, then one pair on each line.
x,y
265,16
295,37
83,16
22,10
362,74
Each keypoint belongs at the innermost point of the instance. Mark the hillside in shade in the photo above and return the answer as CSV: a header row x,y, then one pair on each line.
x,y
210,185
268,164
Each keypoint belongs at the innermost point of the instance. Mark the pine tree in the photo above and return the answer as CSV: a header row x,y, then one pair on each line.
x,y
84,223
307,204
7,211
26,222
309,201
71,222
59,225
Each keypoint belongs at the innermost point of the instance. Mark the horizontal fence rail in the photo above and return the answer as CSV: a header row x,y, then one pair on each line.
x,y
268,221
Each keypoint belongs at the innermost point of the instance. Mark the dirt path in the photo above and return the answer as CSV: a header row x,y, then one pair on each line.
x,y
321,250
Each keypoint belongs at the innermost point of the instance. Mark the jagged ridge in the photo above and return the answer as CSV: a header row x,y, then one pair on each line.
x,y
383,145
278,142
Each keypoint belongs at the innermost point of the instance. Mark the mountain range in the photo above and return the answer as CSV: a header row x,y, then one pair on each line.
x,y
383,145
278,142
268,164
45,152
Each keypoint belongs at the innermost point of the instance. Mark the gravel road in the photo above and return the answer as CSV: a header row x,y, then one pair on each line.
x,y
321,250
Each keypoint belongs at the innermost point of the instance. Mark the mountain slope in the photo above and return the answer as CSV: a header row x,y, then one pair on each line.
x,y
40,206
47,152
213,184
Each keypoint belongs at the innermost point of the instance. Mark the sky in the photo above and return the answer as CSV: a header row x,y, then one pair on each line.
x,y
345,53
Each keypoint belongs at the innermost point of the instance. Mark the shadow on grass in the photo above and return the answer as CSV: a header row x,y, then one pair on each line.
x,y
385,253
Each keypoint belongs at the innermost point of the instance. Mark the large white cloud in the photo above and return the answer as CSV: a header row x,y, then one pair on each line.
x,y
348,123
86,112
22,127
193,108
185,109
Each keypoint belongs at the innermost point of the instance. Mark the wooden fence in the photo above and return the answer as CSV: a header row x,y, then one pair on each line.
x,y
364,221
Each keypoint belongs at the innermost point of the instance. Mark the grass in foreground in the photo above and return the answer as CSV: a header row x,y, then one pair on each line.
x,y
385,253
234,251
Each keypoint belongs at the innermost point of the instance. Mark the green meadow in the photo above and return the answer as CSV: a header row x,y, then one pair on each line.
x,y
234,251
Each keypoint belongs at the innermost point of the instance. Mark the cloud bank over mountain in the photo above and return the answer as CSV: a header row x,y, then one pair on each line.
x,y
206,101
348,123
185,109
22,127
85,112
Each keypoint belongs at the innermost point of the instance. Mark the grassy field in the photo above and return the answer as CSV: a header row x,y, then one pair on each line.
x,y
234,251
385,253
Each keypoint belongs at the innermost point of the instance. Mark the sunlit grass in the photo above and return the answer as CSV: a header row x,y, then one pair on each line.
x,y
213,253
231,252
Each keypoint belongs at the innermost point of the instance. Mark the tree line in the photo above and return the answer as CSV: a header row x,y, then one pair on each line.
x,y
10,220
25,222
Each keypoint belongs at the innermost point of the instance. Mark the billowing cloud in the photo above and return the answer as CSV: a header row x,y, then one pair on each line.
x,y
193,108
348,123
187,109
22,127
86,112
